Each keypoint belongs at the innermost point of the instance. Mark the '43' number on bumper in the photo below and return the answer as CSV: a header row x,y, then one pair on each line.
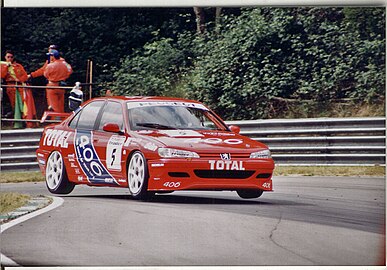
x,y
172,184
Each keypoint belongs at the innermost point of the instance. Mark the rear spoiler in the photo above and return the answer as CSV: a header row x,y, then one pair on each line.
x,y
53,117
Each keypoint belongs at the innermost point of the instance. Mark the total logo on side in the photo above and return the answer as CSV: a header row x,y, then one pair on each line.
x,y
57,138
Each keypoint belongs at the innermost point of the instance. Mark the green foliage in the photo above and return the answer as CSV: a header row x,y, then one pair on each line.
x,y
151,71
244,66
104,35
298,53
262,54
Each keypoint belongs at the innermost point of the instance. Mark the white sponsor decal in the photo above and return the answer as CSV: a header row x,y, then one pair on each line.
x,y
145,131
181,133
172,184
212,133
128,141
165,103
233,141
157,165
41,161
114,152
109,180
226,165
80,178
266,185
56,138
71,157
214,141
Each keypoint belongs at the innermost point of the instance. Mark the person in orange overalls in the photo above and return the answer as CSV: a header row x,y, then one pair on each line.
x,y
56,70
14,74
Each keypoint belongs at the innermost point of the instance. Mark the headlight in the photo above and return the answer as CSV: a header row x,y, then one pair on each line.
x,y
261,154
176,153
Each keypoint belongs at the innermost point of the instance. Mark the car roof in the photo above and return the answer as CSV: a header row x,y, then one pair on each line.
x,y
144,98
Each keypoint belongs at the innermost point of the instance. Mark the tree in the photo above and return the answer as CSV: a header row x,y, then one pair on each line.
x,y
200,20
104,35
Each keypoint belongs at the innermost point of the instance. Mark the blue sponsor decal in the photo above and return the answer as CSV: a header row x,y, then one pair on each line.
x,y
89,161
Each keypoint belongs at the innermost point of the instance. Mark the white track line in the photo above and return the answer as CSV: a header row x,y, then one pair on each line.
x,y
56,202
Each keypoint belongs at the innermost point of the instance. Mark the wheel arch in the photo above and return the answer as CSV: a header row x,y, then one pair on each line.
x,y
65,186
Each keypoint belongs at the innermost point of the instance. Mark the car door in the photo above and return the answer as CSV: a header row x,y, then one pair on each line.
x,y
90,168
109,145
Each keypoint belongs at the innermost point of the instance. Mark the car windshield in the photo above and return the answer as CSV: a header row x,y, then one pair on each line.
x,y
172,115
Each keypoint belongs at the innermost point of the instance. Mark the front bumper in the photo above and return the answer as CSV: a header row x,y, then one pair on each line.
x,y
207,174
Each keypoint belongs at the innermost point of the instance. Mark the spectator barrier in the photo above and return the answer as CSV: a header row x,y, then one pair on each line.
x,y
293,142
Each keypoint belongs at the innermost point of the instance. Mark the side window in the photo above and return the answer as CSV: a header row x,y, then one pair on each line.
x,y
88,115
112,114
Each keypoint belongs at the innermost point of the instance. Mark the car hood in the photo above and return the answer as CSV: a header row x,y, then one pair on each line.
x,y
205,141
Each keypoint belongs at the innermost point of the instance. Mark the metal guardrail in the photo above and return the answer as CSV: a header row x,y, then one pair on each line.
x,y
321,141
293,142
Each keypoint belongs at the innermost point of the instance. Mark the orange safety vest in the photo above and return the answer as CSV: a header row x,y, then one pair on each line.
x,y
16,74
58,70
21,99
4,69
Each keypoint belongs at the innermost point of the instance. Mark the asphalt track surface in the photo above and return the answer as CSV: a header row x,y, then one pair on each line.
x,y
305,221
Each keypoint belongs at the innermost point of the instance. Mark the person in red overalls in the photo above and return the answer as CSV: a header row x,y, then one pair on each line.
x,y
14,74
21,99
56,70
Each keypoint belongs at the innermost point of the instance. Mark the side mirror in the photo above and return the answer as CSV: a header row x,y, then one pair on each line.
x,y
235,129
111,127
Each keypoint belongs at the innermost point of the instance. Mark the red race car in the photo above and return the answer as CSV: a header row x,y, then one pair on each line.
x,y
152,145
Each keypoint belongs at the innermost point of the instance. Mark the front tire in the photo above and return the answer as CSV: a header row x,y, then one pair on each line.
x,y
138,176
57,181
249,193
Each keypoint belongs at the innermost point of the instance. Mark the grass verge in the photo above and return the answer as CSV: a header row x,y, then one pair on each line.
x,y
10,201
330,171
17,177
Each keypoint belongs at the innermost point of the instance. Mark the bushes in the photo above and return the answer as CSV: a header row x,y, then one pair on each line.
x,y
151,71
318,54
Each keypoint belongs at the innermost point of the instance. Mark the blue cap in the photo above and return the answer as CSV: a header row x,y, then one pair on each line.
x,y
54,53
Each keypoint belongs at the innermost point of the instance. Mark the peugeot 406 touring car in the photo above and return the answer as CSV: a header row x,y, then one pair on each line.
x,y
152,145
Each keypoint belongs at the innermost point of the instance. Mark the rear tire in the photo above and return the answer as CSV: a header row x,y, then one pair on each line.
x,y
57,181
138,176
249,193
